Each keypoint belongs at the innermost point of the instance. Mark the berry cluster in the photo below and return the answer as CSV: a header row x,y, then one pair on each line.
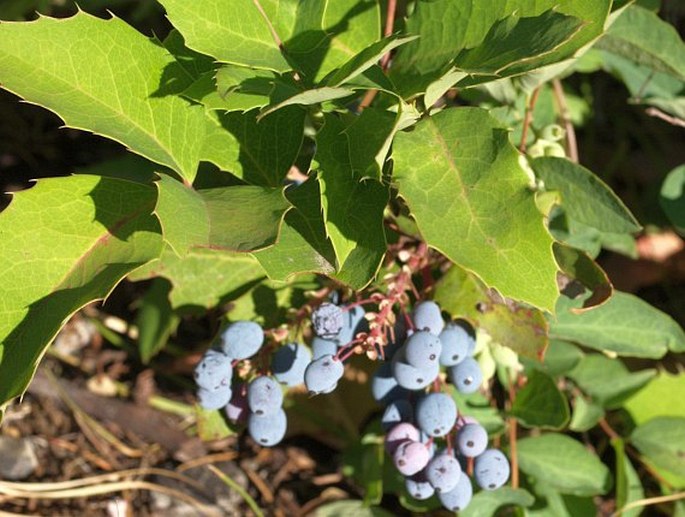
x,y
418,412
258,402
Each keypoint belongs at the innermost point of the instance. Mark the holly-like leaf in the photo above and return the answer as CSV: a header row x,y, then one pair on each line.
x,y
462,180
540,403
303,245
238,218
352,207
237,32
564,464
202,278
585,197
517,43
447,27
259,152
625,325
641,36
328,33
104,76
66,242
520,328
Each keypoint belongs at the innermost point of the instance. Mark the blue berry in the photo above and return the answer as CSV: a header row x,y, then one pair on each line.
x,y
322,374
443,472
410,377
459,497
410,457
399,434
467,375
353,323
397,411
289,363
236,409
264,396
321,347
457,345
472,440
422,349
215,399
491,469
384,387
327,320
267,430
242,339
436,414
418,487
427,316
214,371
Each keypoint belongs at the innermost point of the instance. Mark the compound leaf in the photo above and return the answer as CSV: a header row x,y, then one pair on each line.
x,y
238,218
104,76
470,198
66,242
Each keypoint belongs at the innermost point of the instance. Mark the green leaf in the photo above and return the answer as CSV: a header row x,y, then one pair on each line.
x,y
520,328
641,36
446,27
311,97
672,197
238,218
66,242
661,397
235,32
540,403
303,245
370,135
586,415
608,381
625,325
560,357
564,464
487,502
352,207
155,320
329,33
518,43
203,278
585,197
365,60
662,440
259,152
104,76
462,180
560,505
628,485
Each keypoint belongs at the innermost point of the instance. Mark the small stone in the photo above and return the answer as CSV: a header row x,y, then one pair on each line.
x,y
19,458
